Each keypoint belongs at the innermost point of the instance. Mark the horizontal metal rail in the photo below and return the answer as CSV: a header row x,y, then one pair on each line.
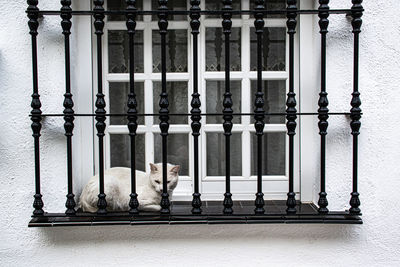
x,y
189,114
188,12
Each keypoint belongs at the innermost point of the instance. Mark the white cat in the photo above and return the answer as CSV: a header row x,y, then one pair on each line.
x,y
117,187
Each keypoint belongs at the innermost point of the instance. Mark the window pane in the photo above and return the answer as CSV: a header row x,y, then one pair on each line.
x,y
121,5
273,146
118,102
177,98
121,154
176,51
274,99
215,49
178,151
172,5
272,5
217,5
216,154
274,49
118,51
215,95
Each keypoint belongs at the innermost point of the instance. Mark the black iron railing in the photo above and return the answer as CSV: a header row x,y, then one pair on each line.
x,y
259,210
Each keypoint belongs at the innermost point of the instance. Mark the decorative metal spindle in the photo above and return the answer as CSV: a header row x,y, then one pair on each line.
x,y
100,102
68,103
291,103
35,104
259,117
323,102
196,112
132,104
355,112
164,117
227,103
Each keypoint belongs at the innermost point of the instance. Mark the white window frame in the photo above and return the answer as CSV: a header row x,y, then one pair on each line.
x,y
275,187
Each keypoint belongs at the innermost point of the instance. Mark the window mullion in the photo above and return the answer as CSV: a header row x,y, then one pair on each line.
x,y
246,97
148,86
202,86
245,5
106,86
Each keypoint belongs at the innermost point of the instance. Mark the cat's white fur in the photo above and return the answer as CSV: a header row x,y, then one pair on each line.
x,y
117,187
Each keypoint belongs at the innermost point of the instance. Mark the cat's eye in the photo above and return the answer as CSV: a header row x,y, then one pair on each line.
x,y
158,182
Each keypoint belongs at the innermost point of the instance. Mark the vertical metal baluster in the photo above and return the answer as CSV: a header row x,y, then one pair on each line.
x,y
35,104
100,102
291,103
355,112
196,112
227,103
323,102
259,116
164,117
68,103
132,104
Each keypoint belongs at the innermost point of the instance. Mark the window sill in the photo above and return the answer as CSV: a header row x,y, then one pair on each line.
x,y
212,214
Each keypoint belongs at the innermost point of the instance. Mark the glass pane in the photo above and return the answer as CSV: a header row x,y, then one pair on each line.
x,y
272,5
121,151
177,98
176,51
217,5
121,5
118,102
172,5
216,154
274,99
274,49
215,95
215,49
118,52
178,151
273,146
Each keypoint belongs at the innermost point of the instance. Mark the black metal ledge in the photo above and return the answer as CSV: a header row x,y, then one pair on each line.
x,y
212,214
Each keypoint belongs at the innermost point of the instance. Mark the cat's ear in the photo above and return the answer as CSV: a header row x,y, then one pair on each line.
x,y
153,167
175,169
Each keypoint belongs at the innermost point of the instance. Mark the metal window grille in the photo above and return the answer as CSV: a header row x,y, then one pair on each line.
x,y
259,211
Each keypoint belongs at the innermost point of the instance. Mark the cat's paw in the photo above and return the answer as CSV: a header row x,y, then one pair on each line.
x,y
152,208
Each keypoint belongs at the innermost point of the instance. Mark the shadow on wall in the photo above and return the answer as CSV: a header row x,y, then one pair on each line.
x,y
111,234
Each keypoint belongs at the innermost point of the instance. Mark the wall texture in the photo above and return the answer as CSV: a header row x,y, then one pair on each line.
x,y
373,244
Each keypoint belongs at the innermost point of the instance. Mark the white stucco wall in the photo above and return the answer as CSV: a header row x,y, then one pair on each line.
x,y
374,243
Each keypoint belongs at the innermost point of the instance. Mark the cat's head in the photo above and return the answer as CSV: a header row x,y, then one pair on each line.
x,y
156,179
